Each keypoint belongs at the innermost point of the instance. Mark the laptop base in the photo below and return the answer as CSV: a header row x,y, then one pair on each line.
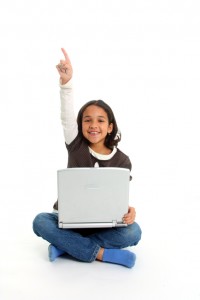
x,y
91,225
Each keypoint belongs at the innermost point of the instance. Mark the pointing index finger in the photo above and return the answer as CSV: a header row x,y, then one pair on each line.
x,y
65,55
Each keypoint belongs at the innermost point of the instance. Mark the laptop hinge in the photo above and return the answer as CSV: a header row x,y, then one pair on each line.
x,y
114,223
91,225
118,224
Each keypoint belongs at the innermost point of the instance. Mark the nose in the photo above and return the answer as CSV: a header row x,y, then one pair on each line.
x,y
93,124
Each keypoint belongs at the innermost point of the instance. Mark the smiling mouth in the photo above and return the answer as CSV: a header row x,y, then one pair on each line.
x,y
93,132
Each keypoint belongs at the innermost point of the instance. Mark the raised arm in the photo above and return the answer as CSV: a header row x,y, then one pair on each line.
x,y
68,118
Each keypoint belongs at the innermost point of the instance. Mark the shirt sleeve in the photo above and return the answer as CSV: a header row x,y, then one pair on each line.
x,y
68,118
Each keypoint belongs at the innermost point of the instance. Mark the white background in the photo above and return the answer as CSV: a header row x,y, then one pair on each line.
x,y
143,58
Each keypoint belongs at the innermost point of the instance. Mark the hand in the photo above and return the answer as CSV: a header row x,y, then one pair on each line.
x,y
65,68
129,218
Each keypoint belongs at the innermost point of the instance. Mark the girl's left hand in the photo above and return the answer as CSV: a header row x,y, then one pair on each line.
x,y
65,68
129,218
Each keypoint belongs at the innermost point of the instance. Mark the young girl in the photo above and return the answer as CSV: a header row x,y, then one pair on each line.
x,y
91,141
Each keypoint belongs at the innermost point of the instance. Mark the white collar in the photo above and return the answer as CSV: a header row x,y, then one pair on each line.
x,y
103,156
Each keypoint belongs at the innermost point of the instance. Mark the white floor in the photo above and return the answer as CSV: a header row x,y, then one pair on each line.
x,y
167,266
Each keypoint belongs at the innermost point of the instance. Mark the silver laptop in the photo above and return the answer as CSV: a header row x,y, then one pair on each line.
x,y
92,197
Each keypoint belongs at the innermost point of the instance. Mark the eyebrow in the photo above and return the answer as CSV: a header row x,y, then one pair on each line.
x,y
91,117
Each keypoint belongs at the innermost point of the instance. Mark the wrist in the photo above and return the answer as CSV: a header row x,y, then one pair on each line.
x,y
63,81
65,84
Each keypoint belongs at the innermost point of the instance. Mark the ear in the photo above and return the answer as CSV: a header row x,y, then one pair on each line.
x,y
110,128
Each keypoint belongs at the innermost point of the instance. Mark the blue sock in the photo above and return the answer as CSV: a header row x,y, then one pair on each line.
x,y
120,257
54,252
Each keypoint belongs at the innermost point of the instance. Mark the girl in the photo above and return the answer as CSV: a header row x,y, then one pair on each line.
x,y
91,141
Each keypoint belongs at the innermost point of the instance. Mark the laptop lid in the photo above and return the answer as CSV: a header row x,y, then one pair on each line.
x,y
92,197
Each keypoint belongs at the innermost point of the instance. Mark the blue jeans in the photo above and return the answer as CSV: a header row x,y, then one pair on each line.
x,y
84,244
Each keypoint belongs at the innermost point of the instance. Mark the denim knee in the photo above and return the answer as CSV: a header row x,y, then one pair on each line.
x,y
136,233
133,234
35,224
38,222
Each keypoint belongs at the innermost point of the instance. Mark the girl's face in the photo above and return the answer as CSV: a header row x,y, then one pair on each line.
x,y
95,125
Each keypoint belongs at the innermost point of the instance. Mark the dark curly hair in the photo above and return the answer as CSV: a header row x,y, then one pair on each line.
x,y
112,139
